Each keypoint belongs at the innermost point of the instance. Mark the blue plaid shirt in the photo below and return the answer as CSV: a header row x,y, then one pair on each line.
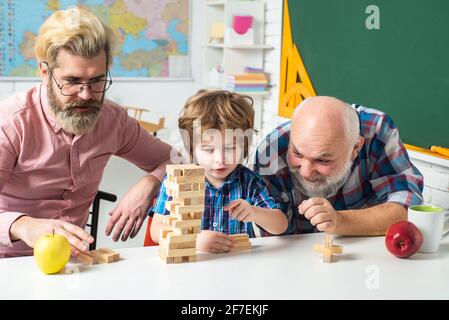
x,y
242,183
382,171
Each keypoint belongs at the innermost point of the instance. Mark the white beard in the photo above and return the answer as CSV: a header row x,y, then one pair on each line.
x,y
323,187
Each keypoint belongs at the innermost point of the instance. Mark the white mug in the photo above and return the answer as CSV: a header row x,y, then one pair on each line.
x,y
430,221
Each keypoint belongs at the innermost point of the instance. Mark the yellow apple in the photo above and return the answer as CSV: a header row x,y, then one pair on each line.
x,y
51,251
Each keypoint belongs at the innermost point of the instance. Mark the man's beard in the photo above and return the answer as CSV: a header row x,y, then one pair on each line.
x,y
322,186
71,121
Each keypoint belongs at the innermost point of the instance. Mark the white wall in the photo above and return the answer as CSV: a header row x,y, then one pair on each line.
x,y
272,62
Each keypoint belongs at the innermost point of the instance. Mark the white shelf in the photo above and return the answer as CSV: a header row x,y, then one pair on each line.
x,y
231,57
215,3
239,46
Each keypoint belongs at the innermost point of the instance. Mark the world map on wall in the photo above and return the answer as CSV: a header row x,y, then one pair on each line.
x,y
152,36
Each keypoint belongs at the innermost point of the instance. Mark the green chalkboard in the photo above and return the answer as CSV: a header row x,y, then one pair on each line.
x,y
401,68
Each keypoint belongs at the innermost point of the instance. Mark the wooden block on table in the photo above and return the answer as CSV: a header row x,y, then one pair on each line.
x,y
240,237
327,257
86,258
177,252
328,249
241,246
102,257
172,260
115,255
321,248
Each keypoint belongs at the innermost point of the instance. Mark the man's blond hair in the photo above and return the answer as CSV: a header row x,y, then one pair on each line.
x,y
216,109
76,30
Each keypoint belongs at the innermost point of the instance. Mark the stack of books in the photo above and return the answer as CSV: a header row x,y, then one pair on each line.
x,y
253,80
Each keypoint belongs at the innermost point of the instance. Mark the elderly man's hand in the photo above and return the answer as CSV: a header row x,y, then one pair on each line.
x,y
321,214
127,218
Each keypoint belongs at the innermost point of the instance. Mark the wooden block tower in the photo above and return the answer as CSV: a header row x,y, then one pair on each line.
x,y
186,185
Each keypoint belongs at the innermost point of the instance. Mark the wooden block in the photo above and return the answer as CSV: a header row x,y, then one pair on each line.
x,y
198,171
174,238
181,224
240,237
172,260
328,249
327,257
177,252
189,215
177,245
173,170
335,249
171,205
86,258
101,256
164,232
179,186
186,208
188,179
198,186
192,201
241,246
183,231
168,219
115,255
188,194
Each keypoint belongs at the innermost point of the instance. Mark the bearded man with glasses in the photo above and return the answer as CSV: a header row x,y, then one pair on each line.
x,y
57,137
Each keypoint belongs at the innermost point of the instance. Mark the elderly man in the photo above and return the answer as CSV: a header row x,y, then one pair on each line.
x,y
340,169
57,137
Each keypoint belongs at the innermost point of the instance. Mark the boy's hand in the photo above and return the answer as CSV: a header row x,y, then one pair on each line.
x,y
241,210
214,242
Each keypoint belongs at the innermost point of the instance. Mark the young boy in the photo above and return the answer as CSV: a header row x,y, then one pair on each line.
x,y
214,125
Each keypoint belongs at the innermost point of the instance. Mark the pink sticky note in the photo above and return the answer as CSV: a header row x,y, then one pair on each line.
x,y
241,24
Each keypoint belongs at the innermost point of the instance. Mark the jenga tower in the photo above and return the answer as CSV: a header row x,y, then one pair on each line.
x,y
186,185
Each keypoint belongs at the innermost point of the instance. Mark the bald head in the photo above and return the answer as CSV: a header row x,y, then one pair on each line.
x,y
327,117
324,141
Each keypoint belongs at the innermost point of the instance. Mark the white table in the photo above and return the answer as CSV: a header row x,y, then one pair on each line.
x,y
276,268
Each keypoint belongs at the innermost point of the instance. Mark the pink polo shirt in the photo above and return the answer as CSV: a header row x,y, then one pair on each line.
x,y
47,173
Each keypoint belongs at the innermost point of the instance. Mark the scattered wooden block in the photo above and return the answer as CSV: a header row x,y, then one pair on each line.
x,y
103,255
328,249
241,241
86,258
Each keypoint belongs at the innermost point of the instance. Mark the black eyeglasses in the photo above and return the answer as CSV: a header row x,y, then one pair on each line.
x,y
74,88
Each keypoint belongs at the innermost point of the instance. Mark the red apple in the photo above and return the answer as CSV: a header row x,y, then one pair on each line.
x,y
403,239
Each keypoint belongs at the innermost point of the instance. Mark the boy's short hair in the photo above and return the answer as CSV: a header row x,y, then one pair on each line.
x,y
216,109
76,30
